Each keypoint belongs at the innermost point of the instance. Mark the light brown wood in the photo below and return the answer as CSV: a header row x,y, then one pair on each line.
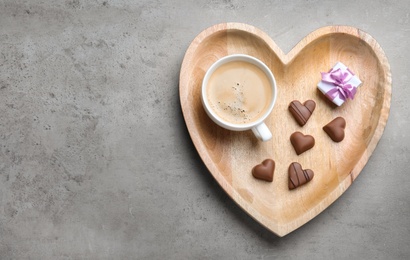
x,y
230,156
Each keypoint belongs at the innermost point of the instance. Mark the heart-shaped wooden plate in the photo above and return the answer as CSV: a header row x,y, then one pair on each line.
x,y
230,156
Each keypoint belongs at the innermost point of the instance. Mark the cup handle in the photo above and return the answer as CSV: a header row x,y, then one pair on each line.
x,y
262,132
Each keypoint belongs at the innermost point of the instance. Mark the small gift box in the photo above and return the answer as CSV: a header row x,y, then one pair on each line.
x,y
339,84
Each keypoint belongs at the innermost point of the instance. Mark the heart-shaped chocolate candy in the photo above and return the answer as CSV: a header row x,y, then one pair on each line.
x,y
301,112
302,142
264,171
298,176
335,129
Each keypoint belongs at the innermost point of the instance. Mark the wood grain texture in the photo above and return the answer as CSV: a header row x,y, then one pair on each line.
x,y
230,156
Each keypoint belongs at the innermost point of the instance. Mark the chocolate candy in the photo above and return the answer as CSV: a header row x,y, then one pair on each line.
x,y
264,171
335,129
301,112
301,142
298,176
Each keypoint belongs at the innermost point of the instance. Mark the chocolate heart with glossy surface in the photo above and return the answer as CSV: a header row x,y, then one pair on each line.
x,y
264,171
335,129
298,176
300,112
229,156
301,143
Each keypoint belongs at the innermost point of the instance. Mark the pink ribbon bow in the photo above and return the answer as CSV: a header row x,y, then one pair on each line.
x,y
339,79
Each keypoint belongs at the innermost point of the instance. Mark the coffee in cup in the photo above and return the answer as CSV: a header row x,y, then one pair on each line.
x,y
238,93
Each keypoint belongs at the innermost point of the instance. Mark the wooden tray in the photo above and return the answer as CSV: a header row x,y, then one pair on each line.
x,y
230,156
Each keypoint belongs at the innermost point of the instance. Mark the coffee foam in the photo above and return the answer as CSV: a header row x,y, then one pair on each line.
x,y
239,92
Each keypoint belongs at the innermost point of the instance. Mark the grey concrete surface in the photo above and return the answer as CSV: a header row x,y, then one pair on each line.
x,y
95,158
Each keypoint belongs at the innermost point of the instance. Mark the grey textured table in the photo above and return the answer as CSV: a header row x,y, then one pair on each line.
x,y
96,161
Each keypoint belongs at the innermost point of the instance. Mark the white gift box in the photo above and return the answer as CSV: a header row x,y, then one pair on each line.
x,y
326,88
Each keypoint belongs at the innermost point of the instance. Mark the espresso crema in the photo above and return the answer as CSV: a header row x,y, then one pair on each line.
x,y
239,92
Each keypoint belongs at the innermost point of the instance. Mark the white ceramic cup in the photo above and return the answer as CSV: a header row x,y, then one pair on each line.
x,y
258,127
